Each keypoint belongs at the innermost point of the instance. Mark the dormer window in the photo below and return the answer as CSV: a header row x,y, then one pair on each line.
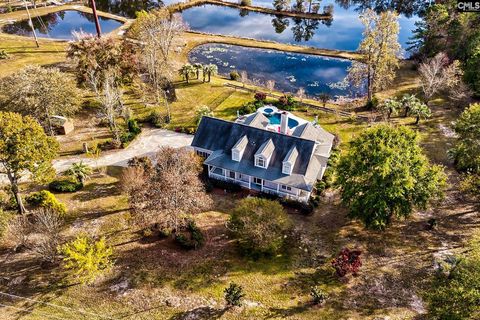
x,y
239,148
289,161
264,154
235,155
260,162
287,168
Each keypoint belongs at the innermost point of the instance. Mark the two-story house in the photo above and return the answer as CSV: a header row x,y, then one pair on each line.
x,y
286,162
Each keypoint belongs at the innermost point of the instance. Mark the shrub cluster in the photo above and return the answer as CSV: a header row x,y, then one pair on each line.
x,y
287,103
260,96
348,261
234,295
133,130
224,185
192,238
46,199
65,185
260,226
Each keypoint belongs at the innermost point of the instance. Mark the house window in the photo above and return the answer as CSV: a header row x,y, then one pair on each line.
x,y
287,188
287,168
260,162
236,155
257,180
232,174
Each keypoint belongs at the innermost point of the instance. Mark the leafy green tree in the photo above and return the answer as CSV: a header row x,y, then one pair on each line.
x,y
203,111
466,152
198,67
40,93
444,28
186,71
390,107
260,225
384,175
97,55
420,110
380,49
80,171
455,295
324,97
25,149
209,70
86,258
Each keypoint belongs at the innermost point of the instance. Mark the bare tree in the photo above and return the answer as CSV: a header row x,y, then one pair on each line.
x,y
171,192
439,74
18,231
158,33
108,95
48,224
301,93
243,78
270,84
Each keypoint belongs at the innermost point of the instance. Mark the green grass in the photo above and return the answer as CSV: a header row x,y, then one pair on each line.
x,y
22,51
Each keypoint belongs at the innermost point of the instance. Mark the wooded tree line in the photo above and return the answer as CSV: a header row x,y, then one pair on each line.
x,y
444,29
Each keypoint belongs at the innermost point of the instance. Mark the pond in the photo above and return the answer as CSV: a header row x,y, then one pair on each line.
x,y
290,71
344,32
60,25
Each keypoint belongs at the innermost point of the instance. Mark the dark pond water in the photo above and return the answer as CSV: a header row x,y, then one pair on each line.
x,y
60,25
344,32
290,71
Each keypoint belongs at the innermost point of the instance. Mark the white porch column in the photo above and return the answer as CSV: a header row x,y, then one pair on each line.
x,y
209,170
278,187
249,182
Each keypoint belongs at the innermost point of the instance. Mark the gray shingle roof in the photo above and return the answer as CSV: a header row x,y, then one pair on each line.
x,y
258,120
220,136
311,132
266,149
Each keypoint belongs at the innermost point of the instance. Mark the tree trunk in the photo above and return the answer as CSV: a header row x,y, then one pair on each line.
x,y
168,107
16,193
389,114
186,77
49,124
406,112
209,76
418,120
198,74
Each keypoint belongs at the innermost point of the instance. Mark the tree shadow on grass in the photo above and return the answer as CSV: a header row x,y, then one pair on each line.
x,y
95,190
207,313
275,313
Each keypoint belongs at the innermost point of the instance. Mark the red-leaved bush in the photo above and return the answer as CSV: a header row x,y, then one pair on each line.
x,y
347,261
260,96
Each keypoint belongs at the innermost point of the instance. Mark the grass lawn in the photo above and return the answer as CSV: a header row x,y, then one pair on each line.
x,y
22,51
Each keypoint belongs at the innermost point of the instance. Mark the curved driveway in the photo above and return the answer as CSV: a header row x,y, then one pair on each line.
x,y
147,144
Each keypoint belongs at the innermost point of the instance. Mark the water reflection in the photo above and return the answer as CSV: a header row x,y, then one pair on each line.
x,y
344,32
290,71
60,25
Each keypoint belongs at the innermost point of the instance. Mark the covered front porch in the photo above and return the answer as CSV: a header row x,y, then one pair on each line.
x,y
254,183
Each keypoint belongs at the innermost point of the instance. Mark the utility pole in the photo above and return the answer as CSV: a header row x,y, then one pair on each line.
x,y
31,24
95,16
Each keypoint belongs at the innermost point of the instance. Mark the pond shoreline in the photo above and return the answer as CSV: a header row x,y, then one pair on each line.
x,y
194,3
196,38
21,15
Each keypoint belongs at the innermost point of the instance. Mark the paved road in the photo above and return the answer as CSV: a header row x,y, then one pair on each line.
x,y
147,144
